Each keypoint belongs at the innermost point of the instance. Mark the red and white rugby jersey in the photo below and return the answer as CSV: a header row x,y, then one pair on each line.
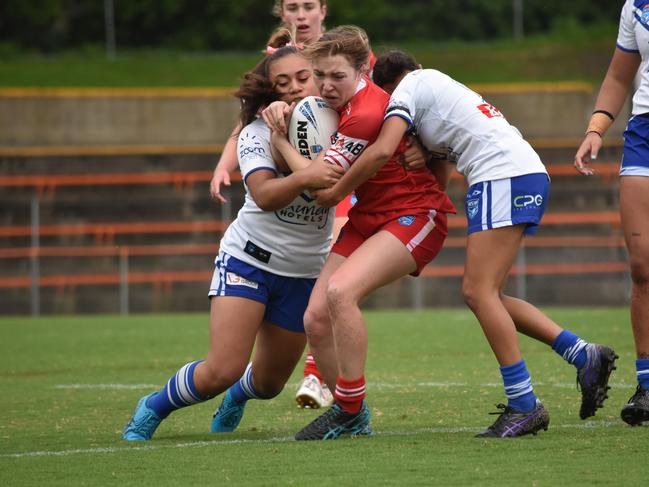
x,y
392,188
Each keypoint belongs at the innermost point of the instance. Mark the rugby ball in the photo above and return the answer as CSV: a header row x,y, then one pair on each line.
x,y
312,126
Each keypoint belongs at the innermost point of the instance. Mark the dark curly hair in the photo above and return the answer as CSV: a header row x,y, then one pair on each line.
x,y
390,65
256,89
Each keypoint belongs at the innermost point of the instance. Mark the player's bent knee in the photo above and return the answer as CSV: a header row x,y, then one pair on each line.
x,y
469,293
315,321
339,295
639,272
269,390
216,379
318,334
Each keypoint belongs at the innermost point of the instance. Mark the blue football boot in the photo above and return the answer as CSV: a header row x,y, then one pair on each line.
x,y
228,416
143,423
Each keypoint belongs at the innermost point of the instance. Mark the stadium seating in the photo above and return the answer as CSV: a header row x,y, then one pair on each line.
x,y
148,208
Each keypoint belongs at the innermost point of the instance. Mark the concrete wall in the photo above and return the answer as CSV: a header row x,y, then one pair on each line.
x,y
206,116
112,117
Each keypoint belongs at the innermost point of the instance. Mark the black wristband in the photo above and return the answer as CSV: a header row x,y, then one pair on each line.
x,y
608,114
594,132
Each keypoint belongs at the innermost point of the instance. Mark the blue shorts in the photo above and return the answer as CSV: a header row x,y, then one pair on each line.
x,y
507,202
285,298
635,158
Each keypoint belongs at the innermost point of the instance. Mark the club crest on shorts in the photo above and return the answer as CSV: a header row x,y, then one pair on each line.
x,y
472,208
406,221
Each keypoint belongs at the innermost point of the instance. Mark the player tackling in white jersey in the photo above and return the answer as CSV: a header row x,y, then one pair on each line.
x,y
508,190
269,259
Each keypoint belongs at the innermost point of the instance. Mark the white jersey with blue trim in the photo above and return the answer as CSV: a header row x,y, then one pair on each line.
x,y
293,241
456,123
633,36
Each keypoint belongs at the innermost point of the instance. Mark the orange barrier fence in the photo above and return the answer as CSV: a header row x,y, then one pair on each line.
x,y
167,278
103,251
187,178
539,143
538,269
107,231
159,279
212,249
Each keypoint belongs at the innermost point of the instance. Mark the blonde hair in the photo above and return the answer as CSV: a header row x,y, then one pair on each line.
x,y
347,40
282,36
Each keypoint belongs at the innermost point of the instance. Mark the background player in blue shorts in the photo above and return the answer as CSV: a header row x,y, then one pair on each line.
x,y
632,51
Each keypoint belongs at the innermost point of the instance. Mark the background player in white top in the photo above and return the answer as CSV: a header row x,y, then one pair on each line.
x,y
508,187
632,52
305,17
265,271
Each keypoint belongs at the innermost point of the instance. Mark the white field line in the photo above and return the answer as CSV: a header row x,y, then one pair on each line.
x,y
107,386
377,385
587,425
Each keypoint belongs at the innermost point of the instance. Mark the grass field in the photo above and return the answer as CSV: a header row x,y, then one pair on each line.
x,y
69,384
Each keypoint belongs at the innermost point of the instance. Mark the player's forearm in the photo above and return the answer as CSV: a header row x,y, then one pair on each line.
x,y
276,193
612,95
294,160
228,161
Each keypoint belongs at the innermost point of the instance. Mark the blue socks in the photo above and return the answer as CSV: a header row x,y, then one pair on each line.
x,y
179,392
518,387
642,366
571,348
243,389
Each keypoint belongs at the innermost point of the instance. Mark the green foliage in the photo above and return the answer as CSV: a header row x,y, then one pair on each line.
x,y
569,52
51,25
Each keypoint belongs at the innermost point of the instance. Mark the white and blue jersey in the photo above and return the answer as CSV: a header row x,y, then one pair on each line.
x,y
633,36
293,241
508,183
459,125
272,257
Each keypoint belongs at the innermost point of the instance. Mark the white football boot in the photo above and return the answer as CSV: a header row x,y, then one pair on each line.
x,y
313,395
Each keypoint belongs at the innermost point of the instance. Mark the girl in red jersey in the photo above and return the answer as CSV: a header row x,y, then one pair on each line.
x,y
397,226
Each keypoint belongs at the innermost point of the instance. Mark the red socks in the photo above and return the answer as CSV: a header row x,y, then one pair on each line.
x,y
350,394
310,367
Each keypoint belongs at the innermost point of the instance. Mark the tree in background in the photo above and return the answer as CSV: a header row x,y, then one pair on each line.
x,y
52,25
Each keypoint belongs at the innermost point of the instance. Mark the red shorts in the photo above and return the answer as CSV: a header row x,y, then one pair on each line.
x,y
423,234
342,208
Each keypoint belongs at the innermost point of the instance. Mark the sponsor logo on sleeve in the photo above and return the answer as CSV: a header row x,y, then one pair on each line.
x,y
644,16
490,111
